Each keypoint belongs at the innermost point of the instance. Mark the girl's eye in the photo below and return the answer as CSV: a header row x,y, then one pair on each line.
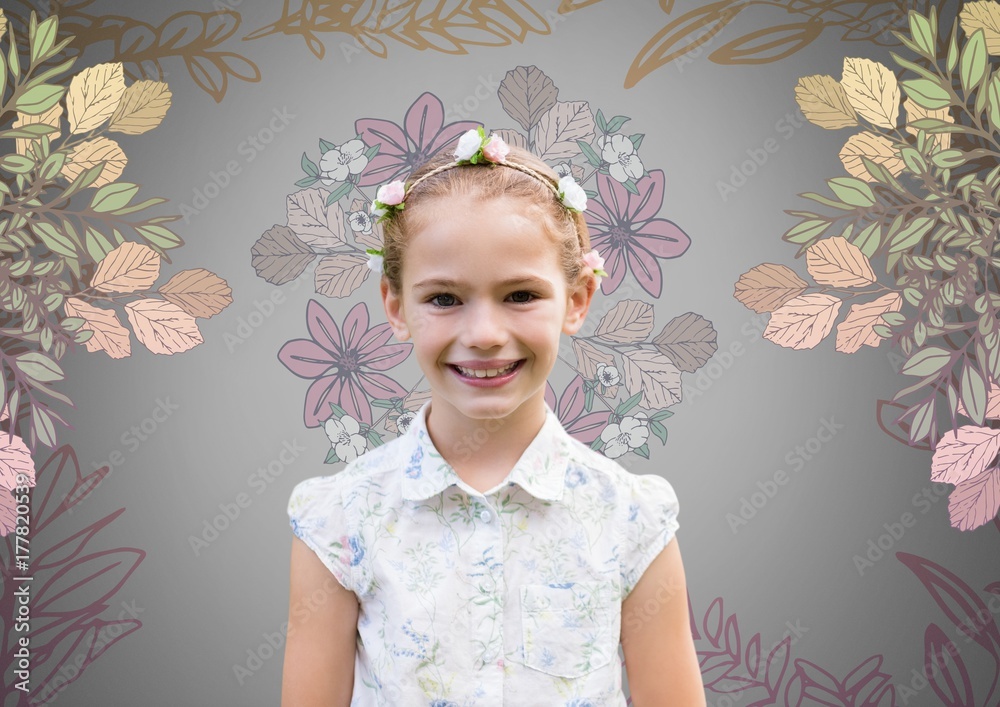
x,y
434,298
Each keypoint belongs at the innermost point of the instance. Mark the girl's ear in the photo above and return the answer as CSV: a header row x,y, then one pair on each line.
x,y
393,305
578,304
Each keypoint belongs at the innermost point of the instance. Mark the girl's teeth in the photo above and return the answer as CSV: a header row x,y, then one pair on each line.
x,y
487,373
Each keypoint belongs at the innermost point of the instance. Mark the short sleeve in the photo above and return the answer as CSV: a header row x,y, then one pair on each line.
x,y
319,517
650,524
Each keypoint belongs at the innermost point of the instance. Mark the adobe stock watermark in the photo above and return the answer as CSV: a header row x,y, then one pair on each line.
x,y
879,547
740,173
131,439
248,148
229,512
768,489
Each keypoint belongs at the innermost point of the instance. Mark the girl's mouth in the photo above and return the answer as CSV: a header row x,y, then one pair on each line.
x,y
487,381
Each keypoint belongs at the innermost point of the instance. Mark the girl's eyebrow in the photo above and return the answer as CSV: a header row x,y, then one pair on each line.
x,y
447,282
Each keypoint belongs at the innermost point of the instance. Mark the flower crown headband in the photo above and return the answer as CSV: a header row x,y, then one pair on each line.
x,y
475,148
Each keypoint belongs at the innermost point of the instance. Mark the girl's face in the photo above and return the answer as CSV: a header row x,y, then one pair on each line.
x,y
482,285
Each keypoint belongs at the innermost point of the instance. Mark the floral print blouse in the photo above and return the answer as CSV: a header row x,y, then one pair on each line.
x,y
508,597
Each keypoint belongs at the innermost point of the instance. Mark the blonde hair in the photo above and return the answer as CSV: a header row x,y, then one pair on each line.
x,y
486,181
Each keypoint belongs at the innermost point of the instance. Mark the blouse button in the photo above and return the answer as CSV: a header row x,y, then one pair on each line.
x,y
485,516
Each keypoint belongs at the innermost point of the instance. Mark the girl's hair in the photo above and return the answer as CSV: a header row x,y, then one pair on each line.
x,y
480,182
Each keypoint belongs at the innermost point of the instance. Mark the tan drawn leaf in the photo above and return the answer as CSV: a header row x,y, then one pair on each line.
x,y
857,329
838,262
143,106
560,127
824,102
526,93
630,321
198,292
128,268
513,138
279,255
588,356
654,374
163,327
983,15
960,457
767,286
317,224
50,117
100,150
688,340
804,321
110,335
872,90
340,275
93,96
3,22
915,112
877,148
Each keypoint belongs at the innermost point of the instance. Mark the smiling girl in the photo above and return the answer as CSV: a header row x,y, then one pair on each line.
x,y
506,570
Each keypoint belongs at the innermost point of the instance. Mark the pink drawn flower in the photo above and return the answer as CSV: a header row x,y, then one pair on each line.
x,y
628,234
341,368
496,150
403,148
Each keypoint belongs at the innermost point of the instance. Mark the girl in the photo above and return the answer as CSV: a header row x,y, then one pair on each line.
x,y
485,556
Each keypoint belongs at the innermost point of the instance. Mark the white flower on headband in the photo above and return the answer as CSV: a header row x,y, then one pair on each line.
x,y
468,145
474,147
374,259
572,194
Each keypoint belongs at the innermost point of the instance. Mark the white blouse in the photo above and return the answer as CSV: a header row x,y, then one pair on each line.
x,y
508,597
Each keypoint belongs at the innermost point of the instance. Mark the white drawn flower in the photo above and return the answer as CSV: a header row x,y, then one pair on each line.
x,y
619,152
404,420
340,162
608,375
360,222
344,437
630,433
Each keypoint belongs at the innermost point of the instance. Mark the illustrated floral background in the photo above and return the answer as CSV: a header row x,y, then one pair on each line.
x,y
189,326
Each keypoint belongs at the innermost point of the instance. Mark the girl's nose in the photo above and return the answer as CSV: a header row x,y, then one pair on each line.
x,y
483,326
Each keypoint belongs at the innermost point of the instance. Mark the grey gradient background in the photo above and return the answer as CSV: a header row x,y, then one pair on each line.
x,y
791,563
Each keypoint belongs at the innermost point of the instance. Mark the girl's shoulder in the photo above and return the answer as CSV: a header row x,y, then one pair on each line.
x,y
611,471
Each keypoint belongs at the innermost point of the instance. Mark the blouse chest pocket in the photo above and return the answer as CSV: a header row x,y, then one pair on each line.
x,y
570,629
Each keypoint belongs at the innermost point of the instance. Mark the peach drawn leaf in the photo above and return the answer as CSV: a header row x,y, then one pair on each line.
x,y
130,267
110,335
93,96
280,256
768,286
959,457
100,150
560,127
858,330
163,327
341,274
629,321
654,374
15,458
877,148
803,322
198,292
689,340
837,262
50,117
976,501
589,356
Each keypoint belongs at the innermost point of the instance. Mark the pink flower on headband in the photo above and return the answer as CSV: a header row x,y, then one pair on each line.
x,y
392,194
496,150
593,261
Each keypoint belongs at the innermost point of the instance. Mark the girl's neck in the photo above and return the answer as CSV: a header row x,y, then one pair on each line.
x,y
483,451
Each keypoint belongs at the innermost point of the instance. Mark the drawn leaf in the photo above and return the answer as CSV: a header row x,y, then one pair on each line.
x,y
15,459
110,335
198,292
162,326
688,340
654,374
804,321
526,93
838,262
768,44
984,15
857,329
340,275
50,117
513,138
279,255
768,286
98,151
93,96
872,89
877,148
317,224
560,127
959,457
915,111
128,268
976,501
824,102
143,106
628,322
589,356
